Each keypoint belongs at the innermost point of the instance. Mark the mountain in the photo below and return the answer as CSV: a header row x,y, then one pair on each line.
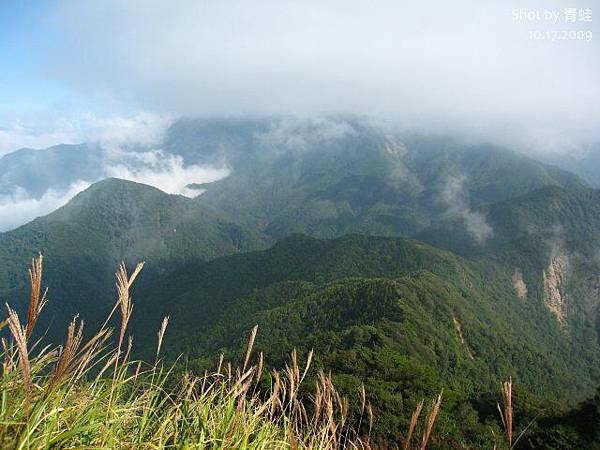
x,y
232,292
338,176
585,162
113,220
33,172
311,151
308,236
325,177
56,168
551,238
400,316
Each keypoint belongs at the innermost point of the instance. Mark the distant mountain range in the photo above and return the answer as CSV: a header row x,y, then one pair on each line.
x,y
308,236
585,162
254,144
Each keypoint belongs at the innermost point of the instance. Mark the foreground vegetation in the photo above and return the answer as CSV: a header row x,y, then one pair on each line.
x,y
384,313
88,393
404,319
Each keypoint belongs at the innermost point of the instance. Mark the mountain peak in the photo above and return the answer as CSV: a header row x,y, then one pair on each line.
x,y
119,188
115,200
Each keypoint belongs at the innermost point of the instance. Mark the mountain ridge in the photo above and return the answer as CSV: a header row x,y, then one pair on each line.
x,y
404,256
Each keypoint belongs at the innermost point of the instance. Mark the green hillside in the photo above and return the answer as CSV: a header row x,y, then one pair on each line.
x,y
111,221
312,237
347,176
402,317
324,178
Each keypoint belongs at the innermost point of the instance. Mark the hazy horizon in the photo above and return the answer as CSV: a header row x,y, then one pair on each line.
x,y
77,71
119,73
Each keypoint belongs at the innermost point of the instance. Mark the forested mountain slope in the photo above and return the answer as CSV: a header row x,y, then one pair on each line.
x,y
111,221
402,317
323,177
338,175
504,278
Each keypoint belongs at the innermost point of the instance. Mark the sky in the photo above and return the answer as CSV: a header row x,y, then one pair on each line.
x,y
521,73
67,65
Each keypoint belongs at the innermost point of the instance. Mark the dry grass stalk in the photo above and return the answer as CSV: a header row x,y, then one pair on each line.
x,y
109,362
241,388
370,414
124,283
129,347
413,423
90,351
259,371
9,363
435,409
204,381
161,334
330,411
275,398
35,303
363,398
363,403
250,346
506,413
68,352
220,365
138,368
261,362
308,363
19,335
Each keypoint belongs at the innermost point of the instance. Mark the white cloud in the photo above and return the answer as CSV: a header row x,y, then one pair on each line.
x,y
162,170
467,60
455,197
296,133
110,131
19,208
166,172
19,135
116,135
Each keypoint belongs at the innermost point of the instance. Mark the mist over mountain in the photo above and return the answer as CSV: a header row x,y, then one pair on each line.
x,y
584,161
36,182
405,195
192,152
306,236
325,177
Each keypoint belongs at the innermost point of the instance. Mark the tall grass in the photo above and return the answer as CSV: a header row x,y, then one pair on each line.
x,y
89,395
92,395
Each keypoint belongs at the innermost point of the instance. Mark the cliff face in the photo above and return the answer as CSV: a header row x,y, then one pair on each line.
x,y
519,284
571,287
555,278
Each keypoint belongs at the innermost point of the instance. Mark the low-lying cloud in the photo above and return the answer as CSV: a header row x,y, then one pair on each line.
x,y
156,168
454,196
128,146
167,172
19,207
299,133
113,131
